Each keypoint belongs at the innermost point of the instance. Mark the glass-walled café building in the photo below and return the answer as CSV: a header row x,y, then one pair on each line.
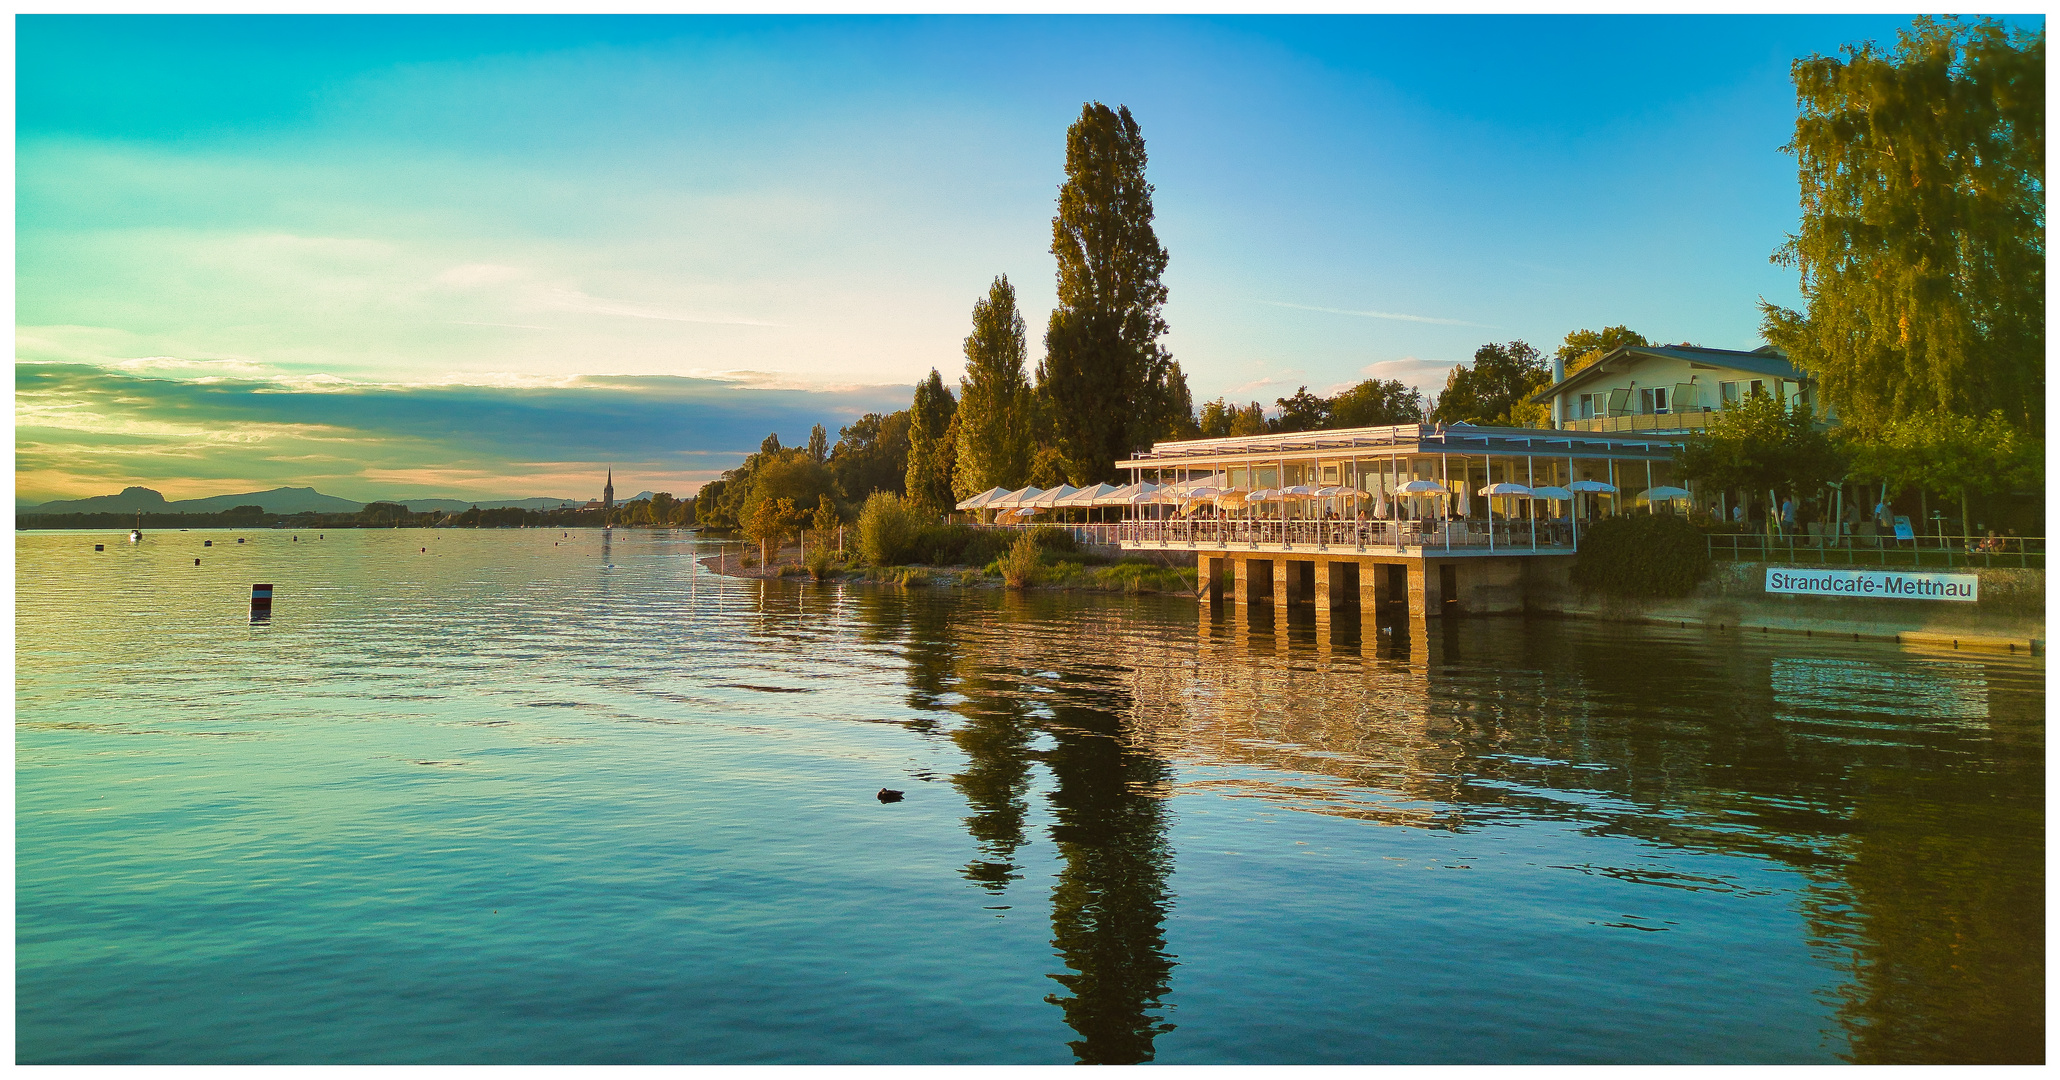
x,y
1433,515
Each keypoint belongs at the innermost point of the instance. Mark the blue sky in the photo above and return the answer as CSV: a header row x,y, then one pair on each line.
x,y
352,252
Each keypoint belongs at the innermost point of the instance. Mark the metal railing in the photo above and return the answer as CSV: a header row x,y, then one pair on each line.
x,y
2027,552
1685,420
1472,536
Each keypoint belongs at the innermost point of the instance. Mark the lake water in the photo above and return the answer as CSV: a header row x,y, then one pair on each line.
x,y
526,797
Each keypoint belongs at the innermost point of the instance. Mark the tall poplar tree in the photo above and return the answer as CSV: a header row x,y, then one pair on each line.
x,y
994,407
1108,382
1922,242
930,449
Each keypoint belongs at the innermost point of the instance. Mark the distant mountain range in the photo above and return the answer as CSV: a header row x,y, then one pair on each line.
x,y
285,500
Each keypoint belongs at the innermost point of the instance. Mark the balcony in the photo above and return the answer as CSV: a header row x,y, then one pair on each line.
x,y
1690,420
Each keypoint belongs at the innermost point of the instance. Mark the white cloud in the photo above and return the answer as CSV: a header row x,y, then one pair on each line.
x,y
1396,316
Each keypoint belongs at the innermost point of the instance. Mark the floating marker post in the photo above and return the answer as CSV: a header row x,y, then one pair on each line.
x,y
239,539
260,601
196,562
100,547
207,543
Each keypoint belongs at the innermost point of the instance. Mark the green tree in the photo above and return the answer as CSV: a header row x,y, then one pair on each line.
x,y
1178,406
1956,456
708,504
1922,240
1109,382
826,517
1584,347
930,451
1215,419
819,445
871,455
994,407
770,523
786,474
1759,446
1376,403
1499,381
1302,412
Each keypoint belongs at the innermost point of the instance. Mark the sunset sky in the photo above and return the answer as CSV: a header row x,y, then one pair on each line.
x,y
481,258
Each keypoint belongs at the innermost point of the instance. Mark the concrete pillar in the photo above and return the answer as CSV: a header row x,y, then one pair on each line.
x,y
1320,590
1373,589
1241,581
1283,586
1424,601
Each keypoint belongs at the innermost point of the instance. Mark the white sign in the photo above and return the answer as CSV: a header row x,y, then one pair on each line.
x,y
1888,584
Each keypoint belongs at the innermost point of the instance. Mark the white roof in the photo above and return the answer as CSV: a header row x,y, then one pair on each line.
x,y
975,502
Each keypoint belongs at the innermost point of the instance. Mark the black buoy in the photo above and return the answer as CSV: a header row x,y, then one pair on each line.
x,y
239,539
207,543
196,562
100,547
260,600
889,795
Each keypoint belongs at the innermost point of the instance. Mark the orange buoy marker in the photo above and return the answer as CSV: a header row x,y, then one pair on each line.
x,y
260,601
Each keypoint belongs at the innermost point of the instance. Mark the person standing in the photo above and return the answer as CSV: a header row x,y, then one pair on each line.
x,y
1788,516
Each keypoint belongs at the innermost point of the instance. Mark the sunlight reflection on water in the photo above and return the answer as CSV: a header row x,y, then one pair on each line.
x,y
524,797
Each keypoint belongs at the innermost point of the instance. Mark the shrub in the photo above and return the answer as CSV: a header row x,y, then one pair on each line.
x,y
1021,562
1055,540
911,576
791,571
822,562
887,529
957,545
1642,555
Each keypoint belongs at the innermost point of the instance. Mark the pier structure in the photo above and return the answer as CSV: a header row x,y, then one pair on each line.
x,y
1416,520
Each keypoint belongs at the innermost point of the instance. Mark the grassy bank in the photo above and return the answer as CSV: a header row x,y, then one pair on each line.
x,y
1073,571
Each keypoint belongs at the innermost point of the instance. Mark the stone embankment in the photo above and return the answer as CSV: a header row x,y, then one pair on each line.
x,y
2010,613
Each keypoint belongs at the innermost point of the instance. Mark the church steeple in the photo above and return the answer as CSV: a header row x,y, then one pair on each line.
x,y
608,493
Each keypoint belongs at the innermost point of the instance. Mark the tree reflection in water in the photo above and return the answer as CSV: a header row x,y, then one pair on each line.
x,y
1024,707
1918,829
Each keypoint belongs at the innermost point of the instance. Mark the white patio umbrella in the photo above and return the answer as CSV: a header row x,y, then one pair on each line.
x,y
978,501
1299,491
1215,480
1555,494
1662,495
1085,496
1051,497
1421,487
1591,487
1119,496
1013,499
1266,495
1513,490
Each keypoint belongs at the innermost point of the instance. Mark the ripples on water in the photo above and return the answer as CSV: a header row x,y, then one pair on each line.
x,y
534,797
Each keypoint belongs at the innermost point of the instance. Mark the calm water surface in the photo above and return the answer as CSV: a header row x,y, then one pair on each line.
x,y
532,797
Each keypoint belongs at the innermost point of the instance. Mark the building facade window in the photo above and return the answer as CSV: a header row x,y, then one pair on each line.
x,y
1652,400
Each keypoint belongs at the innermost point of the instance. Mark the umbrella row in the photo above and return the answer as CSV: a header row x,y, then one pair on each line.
x,y
1031,499
1065,495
